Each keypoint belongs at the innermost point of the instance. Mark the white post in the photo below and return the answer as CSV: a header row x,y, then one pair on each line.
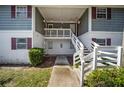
x,y
94,63
82,68
119,58
82,73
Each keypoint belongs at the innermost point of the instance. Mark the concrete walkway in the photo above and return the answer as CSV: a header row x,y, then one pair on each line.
x,y
61,60
63,75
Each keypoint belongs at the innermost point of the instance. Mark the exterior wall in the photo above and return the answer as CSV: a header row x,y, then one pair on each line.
x,y
56,47
116,37
8,23
39,24
85,39
38,40
83,26
7,55
115,24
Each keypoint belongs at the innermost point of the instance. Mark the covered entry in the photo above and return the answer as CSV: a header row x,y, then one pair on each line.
x,y
59,47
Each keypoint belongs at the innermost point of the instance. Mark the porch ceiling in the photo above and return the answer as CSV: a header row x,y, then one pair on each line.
x,y
61,13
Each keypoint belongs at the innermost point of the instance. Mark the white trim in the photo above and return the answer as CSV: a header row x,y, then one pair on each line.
x,y
105,32
97,13
21,11
57,38
15,31
61,21
89,19
33,18
22,43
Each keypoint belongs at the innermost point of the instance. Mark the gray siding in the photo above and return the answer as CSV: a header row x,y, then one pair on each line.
x,y
39,24
59,25
115,24
83,26
8,23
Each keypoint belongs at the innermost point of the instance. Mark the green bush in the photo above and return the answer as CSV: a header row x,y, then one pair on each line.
x,y
106,78
36,56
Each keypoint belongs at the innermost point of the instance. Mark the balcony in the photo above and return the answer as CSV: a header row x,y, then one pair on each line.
x,y
57,33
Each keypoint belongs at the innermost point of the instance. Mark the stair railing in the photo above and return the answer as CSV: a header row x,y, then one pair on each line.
x,y
106,55
99,54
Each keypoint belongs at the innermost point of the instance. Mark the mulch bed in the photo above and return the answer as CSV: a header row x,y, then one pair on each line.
x,y
49,61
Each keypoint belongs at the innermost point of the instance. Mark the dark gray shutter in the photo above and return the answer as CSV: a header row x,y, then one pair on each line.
x,y
93,12
94,39
13,43
108,13
108,41
29,11
13,11
29,43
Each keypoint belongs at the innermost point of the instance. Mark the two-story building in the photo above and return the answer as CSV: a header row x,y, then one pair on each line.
x,y
51,27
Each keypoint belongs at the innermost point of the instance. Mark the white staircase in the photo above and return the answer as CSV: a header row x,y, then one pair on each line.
x,y
85,61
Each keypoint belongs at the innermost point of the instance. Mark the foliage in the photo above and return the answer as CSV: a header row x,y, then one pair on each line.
x,y
113,77
36,56
29,77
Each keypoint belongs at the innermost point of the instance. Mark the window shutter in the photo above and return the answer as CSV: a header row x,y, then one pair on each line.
x,y
29,11
13,43
108,13
29,43
93,12
13,11
108,41
94,39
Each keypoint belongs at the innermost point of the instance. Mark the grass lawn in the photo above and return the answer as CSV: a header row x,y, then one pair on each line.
x,y
25,77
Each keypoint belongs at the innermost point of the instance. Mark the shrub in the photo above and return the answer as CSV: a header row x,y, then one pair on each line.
x,y
36,56
106,78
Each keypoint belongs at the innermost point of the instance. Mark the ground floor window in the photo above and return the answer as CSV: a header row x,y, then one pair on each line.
x,y
102,41
21,43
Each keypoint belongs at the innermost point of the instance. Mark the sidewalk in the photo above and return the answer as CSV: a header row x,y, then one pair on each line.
x,y
63,75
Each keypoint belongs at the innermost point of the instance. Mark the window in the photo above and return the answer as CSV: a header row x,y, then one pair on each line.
x,y
101,42
21,11
50,45
21,43
101,13
50,25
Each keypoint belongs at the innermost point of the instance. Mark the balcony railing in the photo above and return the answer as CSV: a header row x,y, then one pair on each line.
x,y
57,32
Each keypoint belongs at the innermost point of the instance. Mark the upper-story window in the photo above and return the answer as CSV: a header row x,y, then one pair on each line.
x,y
21,11
101,13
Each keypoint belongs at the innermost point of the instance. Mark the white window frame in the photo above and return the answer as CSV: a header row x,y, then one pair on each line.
x,y
21,43
50,25
103,39
97,12
21,11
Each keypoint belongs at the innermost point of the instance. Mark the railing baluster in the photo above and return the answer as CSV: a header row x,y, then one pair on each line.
x,y
119,56
94,63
